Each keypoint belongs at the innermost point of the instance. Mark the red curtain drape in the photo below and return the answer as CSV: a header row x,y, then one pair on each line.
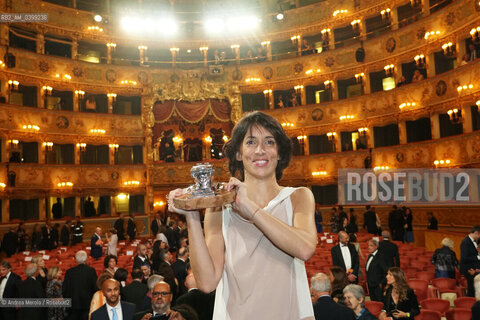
x,y
191,111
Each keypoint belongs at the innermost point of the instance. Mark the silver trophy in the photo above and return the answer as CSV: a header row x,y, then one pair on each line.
x,y
202,173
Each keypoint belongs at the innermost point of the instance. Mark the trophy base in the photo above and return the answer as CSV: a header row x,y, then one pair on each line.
x,y
189,202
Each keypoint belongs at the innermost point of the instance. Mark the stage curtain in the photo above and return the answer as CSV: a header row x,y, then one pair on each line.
x,y
163,111
191,111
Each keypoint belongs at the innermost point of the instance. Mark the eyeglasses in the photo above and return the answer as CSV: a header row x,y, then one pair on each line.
x,y
163,293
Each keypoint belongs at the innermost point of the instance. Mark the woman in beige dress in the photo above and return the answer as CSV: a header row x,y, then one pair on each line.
x,y
253,251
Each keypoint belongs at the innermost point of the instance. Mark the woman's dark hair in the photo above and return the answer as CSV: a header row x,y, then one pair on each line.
x,y
401,281
120,275
108,258
340,280
187,312
352,238
245,124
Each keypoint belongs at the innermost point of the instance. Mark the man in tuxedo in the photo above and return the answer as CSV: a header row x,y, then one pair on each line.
x,y
370,221
96,244
10,284
200,301
172,236
161,300
79,285
141,257
113,308
155,225
31,288
324,307
136,291
65,233
376,271
180,269
119,226
131,227
395,223
166,271
470,258
389,251
345,255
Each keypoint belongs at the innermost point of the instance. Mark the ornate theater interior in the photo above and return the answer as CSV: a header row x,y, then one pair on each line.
x,y
116,100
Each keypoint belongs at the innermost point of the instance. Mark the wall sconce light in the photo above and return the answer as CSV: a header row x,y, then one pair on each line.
x,y
287,125
406,105
95,28
225,138
2,185
203,49
475,34
111,45
65,184
13,85
331,136
265,43
64,77
311,71
389,69
2,64
97,131
128,82
159,204
48,146
31,127
112,96
47,90
347,117
174,50
298,88
301,139
131,183
464,88
142,48
328,84
177,139
385,14
431,34
359,77
381,168
415,3
356,25
235,46
337,12
113,146
448,50
478,103
319,173
208,139
267,92
252,80
295,38
363,131
325,34
420,61
13,143
440,163
82,146
455,115
80,94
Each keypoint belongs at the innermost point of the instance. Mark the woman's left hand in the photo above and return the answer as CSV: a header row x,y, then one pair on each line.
x,y
400,314
242,204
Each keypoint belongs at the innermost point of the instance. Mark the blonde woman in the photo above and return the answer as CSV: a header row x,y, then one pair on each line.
x,y
54,290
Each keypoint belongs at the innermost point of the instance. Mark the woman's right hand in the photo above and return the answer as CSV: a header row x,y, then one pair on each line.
x,y
171,206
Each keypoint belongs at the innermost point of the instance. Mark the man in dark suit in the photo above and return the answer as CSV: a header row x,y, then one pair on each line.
x,y
389,251
432,221
113,307
10,242
48,239
131,227
141,257
180,269
156,223
324,307
96,244
166,271
79,285
161,300
470,258
200,301
376,271
57,209
10,284
172,236
31,288
65,233
136,291
89,208
370,221
345,255
119,226
395,223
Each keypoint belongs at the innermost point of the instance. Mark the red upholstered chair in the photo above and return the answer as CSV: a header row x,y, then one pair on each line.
x,y
439,305
459,314
425,275
465,302
375,307
429,315
420,287
447,285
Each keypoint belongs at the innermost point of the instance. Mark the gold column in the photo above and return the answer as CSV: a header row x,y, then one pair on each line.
x,y
435,126
467,118
204,50
306,146
269,50
4,34
366,84
4,151
74,49
430,61
42,152
236,50
370,138
113,206
461,50
43,209
5,210
402,132
142,52
394,18
40,42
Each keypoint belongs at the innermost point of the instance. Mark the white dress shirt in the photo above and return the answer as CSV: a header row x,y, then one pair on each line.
x,y
370,260
3,284
347,258
118,310
476,245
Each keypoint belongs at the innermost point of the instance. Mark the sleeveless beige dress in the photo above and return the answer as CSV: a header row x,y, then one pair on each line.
x,y
260,281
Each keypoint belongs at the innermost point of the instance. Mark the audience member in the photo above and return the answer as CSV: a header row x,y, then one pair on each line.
x,y
112,241
57,209
338,280
318,218
10,242
21,236
77,231
166,271
136,291
201,302
98,298
345,255
306,48
89,208
324,307
156,223
401,82
408,228
131,227
160,235
48,239
334,221
96,244
376,271
141,257
31,288
472,52
36,238
389,251
151,282
119,226
65,233
184,312
355,300
161,300
146,271
470,257
445,260
352,238
113,308
465,59
110,264
352,226
79,285
280,103
399,299
179,269
121,276
370,221
432,221
476,306
10,284
172,236
417,76
42,271
54,291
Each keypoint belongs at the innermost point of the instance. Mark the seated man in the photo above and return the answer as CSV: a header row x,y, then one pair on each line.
x,y
113,307
325,307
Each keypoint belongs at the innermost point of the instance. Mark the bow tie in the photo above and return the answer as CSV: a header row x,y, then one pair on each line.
x,y
344,245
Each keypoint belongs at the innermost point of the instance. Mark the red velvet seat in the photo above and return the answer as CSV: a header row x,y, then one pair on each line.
x,y
465,302
447,285
459,314
420,287
429,315
425,275
439,305
375,307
